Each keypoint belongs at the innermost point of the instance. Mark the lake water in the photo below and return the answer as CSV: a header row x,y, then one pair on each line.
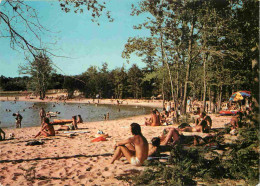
x,y
88,112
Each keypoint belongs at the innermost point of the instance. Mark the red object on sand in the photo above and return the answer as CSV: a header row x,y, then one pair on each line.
x,y
228,112
99,139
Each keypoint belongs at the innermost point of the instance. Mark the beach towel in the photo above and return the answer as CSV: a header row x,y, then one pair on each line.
x,y
72,132
32,143
99,139
162,156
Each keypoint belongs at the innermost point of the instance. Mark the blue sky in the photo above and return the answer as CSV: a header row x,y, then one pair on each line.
x,y
77,37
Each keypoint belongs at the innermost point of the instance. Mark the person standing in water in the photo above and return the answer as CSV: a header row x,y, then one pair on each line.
x,y
18,120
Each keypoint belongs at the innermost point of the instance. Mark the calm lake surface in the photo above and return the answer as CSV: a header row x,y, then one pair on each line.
x,y
88,112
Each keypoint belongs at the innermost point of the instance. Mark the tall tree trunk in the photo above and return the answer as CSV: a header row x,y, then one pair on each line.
x,y
177,86
255,82
163,93
204,81
210,99
219,98
189,61
165,62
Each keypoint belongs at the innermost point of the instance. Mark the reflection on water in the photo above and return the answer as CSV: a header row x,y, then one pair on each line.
x,y
89,112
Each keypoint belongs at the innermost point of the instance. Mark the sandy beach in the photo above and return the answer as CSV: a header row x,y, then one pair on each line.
x,y
74,160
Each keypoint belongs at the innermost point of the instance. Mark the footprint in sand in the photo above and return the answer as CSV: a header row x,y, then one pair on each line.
x,y
106,169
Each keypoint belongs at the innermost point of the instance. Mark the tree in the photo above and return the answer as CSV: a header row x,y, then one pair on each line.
x,y
93,7
40,70
119,77
134,79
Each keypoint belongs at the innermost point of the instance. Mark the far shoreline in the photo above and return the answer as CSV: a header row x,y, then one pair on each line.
x,y
134,102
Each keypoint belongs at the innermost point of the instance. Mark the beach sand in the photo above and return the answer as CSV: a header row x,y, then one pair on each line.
x,y
73,160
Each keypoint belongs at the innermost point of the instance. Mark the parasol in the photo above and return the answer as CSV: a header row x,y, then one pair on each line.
x,y
240,95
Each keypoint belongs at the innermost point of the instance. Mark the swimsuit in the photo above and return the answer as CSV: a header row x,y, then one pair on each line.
x,y
135,161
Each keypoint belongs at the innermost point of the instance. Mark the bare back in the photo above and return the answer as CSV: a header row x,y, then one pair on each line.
x,y
155,120
141,147
50,129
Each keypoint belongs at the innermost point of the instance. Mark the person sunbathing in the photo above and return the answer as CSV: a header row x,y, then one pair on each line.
x,y
170,135
154,120
202,127
47,129
155,148
71,126
135,148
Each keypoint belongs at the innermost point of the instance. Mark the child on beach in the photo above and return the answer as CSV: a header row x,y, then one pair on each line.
x,y
135,148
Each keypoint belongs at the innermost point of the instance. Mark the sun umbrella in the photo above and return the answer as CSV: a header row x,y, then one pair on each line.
x,y
240,95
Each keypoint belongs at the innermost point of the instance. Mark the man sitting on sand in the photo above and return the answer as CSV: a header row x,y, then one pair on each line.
x,y
135,148
203,116
72,126
154,120
47,129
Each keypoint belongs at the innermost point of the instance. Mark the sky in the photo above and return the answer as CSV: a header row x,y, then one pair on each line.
x,y
77,37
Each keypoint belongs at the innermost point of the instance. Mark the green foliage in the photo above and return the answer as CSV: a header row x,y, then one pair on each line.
x,y
40,70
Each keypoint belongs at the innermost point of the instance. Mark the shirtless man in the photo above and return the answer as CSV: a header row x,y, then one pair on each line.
x,y
135,148
154,120
47,129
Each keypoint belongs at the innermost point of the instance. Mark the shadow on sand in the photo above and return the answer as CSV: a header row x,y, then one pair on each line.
x,y
55,158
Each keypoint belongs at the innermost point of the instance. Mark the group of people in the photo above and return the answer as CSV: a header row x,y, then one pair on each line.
x,y
162,118
136,148
47,128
